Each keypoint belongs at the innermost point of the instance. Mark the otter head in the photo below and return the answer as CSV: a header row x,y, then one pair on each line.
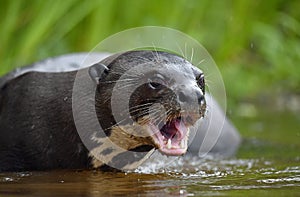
x,y
149,99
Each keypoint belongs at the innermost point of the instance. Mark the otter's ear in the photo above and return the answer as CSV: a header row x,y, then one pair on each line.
x,y
98,71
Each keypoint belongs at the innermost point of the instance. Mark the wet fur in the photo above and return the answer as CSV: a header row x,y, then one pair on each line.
x,y
35,123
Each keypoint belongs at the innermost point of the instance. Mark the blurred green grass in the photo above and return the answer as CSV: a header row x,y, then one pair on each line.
x,y
256,44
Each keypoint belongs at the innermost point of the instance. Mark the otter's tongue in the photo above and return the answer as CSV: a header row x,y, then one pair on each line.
x,y
173,129
174,138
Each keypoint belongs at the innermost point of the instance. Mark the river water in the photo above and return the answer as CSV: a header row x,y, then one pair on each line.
x,y
268,163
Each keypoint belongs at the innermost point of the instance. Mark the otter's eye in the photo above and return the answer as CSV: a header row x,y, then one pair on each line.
x,y
201,82
156,82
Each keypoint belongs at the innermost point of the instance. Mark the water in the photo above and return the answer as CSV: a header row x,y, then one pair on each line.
x,y
268,163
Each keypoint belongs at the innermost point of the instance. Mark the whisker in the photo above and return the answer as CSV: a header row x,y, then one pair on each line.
x,y
161,118
141,105
156,52
157,115
192,56
139,109
123,86
180,49
200,62
121,80
185,50
153,111
144,59
119,122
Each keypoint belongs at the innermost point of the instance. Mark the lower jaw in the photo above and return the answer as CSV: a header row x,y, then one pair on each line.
x,y
172,152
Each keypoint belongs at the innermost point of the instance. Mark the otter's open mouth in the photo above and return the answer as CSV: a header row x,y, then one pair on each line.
x,y
171,138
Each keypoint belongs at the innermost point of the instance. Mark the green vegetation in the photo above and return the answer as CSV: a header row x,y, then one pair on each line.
x,y
256,44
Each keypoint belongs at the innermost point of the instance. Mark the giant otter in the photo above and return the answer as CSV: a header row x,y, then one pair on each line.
x,y
39,127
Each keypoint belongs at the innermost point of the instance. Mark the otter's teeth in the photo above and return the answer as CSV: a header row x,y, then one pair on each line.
x,y
182,144
169,145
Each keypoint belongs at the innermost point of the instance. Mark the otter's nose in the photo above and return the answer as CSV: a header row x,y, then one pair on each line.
x,y
190,95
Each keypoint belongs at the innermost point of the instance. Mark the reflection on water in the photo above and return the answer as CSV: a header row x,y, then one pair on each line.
x,y
209,177
267,163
